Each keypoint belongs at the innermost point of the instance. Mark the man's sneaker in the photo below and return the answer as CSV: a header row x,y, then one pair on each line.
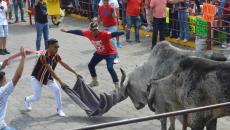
x,y
94,82
27,105
23,20
138,41
116,61
16,21
185,40
129,41
119,45
2,52
61,113
178,39
6,51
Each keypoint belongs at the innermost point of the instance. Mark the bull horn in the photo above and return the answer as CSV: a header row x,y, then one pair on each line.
x,y
123,77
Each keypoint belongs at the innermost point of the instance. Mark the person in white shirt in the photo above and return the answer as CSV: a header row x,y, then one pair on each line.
x,y
3,28
6,88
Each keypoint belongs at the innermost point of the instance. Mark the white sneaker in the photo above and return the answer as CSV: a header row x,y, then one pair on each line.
x,y
61,113
178,39
27,105
116,61
185,40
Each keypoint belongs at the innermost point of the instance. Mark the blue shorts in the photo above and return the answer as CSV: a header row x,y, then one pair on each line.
x,y
3,31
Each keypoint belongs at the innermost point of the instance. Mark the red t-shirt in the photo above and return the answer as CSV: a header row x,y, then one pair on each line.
x,y
105,15
227,8
102,42
134,7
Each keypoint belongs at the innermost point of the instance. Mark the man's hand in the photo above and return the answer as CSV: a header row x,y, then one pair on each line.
x,y
63,30
61,83
23,52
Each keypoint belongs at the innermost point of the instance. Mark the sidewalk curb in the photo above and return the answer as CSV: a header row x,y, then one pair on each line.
x,y
142,33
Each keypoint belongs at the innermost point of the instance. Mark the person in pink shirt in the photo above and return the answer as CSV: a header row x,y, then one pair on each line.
x,y
158,8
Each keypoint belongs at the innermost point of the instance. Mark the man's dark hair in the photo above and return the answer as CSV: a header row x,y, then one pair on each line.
x,y
2,75
52,41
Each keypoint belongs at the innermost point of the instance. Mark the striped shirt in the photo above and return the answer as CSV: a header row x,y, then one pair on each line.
x,y
40,72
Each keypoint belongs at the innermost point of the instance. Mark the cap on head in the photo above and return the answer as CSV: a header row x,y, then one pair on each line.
x,y
52,41
93,26
2,75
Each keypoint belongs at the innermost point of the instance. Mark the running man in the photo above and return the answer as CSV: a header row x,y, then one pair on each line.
x,y
43,74
6,88
104,50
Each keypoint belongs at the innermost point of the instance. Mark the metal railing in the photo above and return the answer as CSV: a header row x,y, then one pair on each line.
x,y
154,117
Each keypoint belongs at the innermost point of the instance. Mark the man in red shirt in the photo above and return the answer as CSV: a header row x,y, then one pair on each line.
x,y
133,12
108,17
104,50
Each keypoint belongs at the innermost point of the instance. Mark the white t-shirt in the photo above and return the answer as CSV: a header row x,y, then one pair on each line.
x,y
5,91
114,3
3,19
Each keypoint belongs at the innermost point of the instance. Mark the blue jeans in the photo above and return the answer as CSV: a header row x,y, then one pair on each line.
x,y
159,25
183,18
95,4
42,28
109,62
136,21
18,4
8,128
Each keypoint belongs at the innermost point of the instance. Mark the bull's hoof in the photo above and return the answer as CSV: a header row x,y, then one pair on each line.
x,y
171,128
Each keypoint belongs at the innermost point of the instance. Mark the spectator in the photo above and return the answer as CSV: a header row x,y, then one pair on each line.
x,y
174,24
18,4
3,28
109,18
115,5
149,15
133,12
6,88
158,8
183,19
95,7
10,7
41,21
224,12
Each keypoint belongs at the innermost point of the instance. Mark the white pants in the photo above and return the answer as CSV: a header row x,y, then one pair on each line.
x,y
37,89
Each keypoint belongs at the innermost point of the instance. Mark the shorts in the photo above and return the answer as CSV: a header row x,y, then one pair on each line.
x,y
3,31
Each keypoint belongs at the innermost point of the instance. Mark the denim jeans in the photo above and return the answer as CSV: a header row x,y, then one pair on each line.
x,y
227,23
7,128
159,25
95,4
42,28
109,62
174,24
136,21
183,19
18,4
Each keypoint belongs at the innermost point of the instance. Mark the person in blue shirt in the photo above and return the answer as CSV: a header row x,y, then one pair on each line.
x,y
6,88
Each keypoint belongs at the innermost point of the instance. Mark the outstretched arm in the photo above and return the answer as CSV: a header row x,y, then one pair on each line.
x,y
53,74
20,68
66,66
76,32
115,34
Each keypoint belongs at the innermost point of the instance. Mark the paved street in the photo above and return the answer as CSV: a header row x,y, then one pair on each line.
x,y
76,51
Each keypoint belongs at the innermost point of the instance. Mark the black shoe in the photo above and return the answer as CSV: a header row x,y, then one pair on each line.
x,y
138,41
129,41
16,21
6,51
23,20
2,52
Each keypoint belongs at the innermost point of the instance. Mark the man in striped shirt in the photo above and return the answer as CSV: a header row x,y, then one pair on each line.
x,y
43,74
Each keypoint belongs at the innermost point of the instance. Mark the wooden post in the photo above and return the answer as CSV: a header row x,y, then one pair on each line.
x,y
209,38
185,121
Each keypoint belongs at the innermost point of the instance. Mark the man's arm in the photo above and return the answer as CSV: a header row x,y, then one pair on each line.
x,y
76,32
20,68
66,66
53,74
115,34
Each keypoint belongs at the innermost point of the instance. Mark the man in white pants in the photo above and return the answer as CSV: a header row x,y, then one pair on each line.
x,y
43,74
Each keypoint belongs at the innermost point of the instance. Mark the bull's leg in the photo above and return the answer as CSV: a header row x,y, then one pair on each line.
x,y
172,123
212,125
199,126
163,123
